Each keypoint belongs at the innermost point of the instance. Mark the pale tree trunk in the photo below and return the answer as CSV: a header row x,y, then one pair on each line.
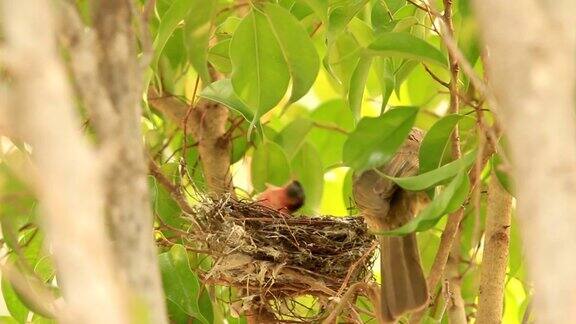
x,y
531,47
69,186
495,255
109,80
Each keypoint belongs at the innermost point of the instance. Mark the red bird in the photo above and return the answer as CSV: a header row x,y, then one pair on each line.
x,y
287,198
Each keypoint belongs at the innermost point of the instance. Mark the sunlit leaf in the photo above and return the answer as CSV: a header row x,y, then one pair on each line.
x,y
181,285
37,319
361,32
436,143
239,143
292,137
178,10
8,320
357,85
297,49
340,15
503,177
307,168
333,120
259,72
269,166
375,140
385,74
15,306
432,178
341,60
219,56
205,305
402,73
449,200
164,205
320,8
197,33
222,92
404,45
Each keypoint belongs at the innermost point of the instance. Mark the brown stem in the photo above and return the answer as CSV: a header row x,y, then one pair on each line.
x,y
495,255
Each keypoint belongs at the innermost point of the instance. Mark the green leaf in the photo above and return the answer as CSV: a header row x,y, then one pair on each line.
x,y
436,144
503,177
297,48
181,285
362,32
385,74
447,201
375,140
259,72
432,178
197,34
357,85
269,166
239,143
164,205
222,92
33,257
37,319
340,15
175,314
168,24
219,56
8,320
22,207
34,284
336,119
307,168
402,74
320,8
15,306
404,45
405,24
205,305
341,59
292,137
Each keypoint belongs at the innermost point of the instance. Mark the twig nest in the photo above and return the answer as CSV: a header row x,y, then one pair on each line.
x,y
272,255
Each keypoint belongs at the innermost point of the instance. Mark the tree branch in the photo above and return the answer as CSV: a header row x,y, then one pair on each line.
x,y
495,255
206,123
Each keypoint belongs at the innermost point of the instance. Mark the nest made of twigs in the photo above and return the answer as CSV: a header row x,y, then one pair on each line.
x,y
271,255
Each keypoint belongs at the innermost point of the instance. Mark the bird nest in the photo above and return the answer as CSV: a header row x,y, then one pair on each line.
x,y
273,258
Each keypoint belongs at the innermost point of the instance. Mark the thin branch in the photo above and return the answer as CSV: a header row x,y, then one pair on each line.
x,y
435,77
334,128
495,255
174,190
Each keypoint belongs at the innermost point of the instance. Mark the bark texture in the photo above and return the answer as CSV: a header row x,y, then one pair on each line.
x,y
206,122
70,188
108,78
531,46
495,255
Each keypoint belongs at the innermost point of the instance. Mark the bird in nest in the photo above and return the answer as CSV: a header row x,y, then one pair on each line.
x,y
288,198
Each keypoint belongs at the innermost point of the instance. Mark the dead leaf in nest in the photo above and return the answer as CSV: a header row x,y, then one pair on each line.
x,y
239,307
232,261
262,273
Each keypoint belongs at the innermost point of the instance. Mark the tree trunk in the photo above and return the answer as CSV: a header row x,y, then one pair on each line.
x,y
531,46
69,186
